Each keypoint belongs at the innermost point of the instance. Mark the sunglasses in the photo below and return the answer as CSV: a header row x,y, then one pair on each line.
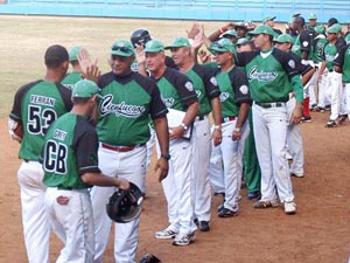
x,y
122,49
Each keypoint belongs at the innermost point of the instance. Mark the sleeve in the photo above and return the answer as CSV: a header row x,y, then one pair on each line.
x,y
157,107
306,41
339,60
210,83
340,44
241,87
186,90
298,88
66,95
86,152
303,68
243,58
291,65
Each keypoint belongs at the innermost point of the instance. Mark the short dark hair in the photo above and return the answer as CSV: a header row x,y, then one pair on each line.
x,y
74,62
56,55
78,100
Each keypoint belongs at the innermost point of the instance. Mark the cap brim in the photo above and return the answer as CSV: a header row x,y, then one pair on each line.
x,y
121,53
153,50
174,46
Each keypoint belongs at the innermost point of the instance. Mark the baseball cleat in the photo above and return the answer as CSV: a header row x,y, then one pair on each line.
x,y
331,124
254,195
290,208
220,207
266,204
227,213
184,239
166,233
204,226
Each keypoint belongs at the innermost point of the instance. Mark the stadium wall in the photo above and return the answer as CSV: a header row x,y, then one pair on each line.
x,y
253,10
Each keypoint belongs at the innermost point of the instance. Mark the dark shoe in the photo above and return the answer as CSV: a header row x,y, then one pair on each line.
x,y
217,194
220,207
225,212
313,107
204,226
254,195
195,221
305,119
342,118
331,124
328,108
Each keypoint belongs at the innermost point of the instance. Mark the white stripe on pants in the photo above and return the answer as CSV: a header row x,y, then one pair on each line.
x,y
336,86
324,97
200,187
226,159
73,223
295,142
177,187
131,166
36,226
270,134
346,99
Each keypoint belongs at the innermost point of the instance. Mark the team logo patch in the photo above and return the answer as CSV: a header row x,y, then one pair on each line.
x,y
168,102
261,76
305,44
224,96
189,86
213,81
291,63
244,89
121,109
198,93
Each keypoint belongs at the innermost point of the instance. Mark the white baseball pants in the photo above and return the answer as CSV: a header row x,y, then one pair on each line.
x,y
336,86
177,187
131,166
324,97
200,187
226,164
270,134
73,223
295,142
36,226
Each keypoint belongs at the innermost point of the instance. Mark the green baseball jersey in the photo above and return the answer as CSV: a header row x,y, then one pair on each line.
x,y
71,79
205,85
176,90
128,102
347,37
318,53
233,91
271,75
70,150
304,43
36,106
343,61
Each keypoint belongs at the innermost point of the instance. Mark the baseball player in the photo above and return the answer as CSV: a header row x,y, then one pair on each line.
x,y
333,79
312,21
270,21
272,75
205,86
129,100
36,106
294,136
235,103
71,167
342,65
76,74
177,93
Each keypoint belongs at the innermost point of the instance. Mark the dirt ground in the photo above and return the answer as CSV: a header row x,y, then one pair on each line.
x,y
319,232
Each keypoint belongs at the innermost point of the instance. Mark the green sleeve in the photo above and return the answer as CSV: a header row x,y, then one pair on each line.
x,y
298,88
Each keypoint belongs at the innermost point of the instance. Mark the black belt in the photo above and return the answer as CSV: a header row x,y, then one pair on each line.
x,y
65,188
229,118
270,105
201,117
331,70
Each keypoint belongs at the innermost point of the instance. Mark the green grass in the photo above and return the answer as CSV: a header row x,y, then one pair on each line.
x,y
25,39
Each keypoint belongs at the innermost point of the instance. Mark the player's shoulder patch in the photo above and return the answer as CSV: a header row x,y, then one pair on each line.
x,y
244,89
189,86
291,63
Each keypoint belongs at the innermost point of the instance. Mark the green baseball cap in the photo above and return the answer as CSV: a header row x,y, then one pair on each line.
x,y
85,89
312,16
230,33
335,29
74,52
122,48
269,18
242,41
284,38
222,45
179,42
154,46
320,29
263,29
